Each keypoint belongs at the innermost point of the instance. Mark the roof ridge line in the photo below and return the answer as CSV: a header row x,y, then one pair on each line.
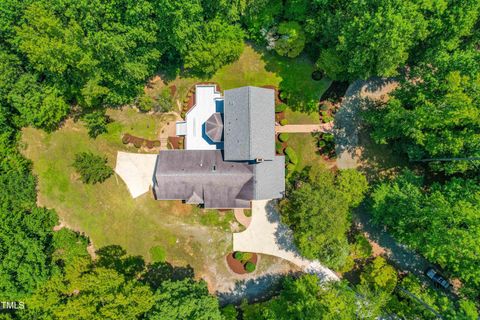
x,y
249,124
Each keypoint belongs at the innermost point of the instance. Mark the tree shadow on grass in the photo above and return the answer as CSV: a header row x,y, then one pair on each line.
x,y
297,87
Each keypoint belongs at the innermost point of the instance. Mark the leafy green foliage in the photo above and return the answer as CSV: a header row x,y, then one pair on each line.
x,y
436,221
291,154
317,210
92,168
96,123
304,298
291,39
185,299
379,275
404,306
437,117
283,137
250,266
219,44
89,293
280,107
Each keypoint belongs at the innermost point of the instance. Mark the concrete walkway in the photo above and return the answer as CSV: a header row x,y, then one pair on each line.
x,y
136,170
267,235
305,128
241,217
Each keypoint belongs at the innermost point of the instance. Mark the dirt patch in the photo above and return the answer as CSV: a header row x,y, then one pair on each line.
x,y
236,266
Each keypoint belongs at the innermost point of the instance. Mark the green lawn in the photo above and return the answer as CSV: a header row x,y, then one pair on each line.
x,y
259,67
157,230
106,212
297,117
304,145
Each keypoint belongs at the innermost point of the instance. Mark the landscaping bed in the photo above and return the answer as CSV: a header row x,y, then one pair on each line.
x,y
237,261
140,142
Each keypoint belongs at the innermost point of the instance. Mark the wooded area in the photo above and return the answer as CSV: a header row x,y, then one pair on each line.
x,y
73,58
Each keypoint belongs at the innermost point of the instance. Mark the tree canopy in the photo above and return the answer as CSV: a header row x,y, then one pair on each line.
x,y
441,221
317,210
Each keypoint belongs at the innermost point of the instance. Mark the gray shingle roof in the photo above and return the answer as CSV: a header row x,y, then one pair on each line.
x,y
202,176
270,179
249,124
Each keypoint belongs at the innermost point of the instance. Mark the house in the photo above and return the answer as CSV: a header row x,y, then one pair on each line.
x,y
229,157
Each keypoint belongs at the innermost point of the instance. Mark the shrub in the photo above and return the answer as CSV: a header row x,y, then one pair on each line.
x,y
138,143
283,122
327,119
281,107
290,167
283,137
145,103
324,107
250,266
238,255
183,115
328,137
321,144
292,156
96,123
92,168
247,256
278,147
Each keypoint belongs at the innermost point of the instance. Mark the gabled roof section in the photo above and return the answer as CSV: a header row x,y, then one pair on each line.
x,y
269,179
249,124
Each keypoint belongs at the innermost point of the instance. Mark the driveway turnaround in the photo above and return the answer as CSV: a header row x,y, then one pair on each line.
x,y
136,170
305,128
267,235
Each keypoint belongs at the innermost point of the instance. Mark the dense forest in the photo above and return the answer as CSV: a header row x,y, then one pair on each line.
x,y
74,58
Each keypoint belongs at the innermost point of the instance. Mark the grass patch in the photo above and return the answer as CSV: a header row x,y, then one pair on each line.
x,y
157,254
297,117
305,147
106,212
215,218
258,67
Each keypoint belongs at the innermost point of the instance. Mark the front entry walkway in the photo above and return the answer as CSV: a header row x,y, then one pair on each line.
x,y
267,235
305,128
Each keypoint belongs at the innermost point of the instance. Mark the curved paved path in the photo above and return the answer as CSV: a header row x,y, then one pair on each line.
x,y
241,217
267,235
305,128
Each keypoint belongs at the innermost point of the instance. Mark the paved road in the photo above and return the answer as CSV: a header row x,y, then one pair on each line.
x,y
267,235
305,128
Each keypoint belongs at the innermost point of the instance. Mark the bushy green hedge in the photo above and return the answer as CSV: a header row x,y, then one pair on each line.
x,y
283,122
292,155
290,167
283,137
92,168
250,266
281,107
278,147
238,255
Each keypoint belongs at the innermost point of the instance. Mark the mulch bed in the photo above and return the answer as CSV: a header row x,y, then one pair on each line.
x,y
236,266
140,142
173,90
279,116
176,142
